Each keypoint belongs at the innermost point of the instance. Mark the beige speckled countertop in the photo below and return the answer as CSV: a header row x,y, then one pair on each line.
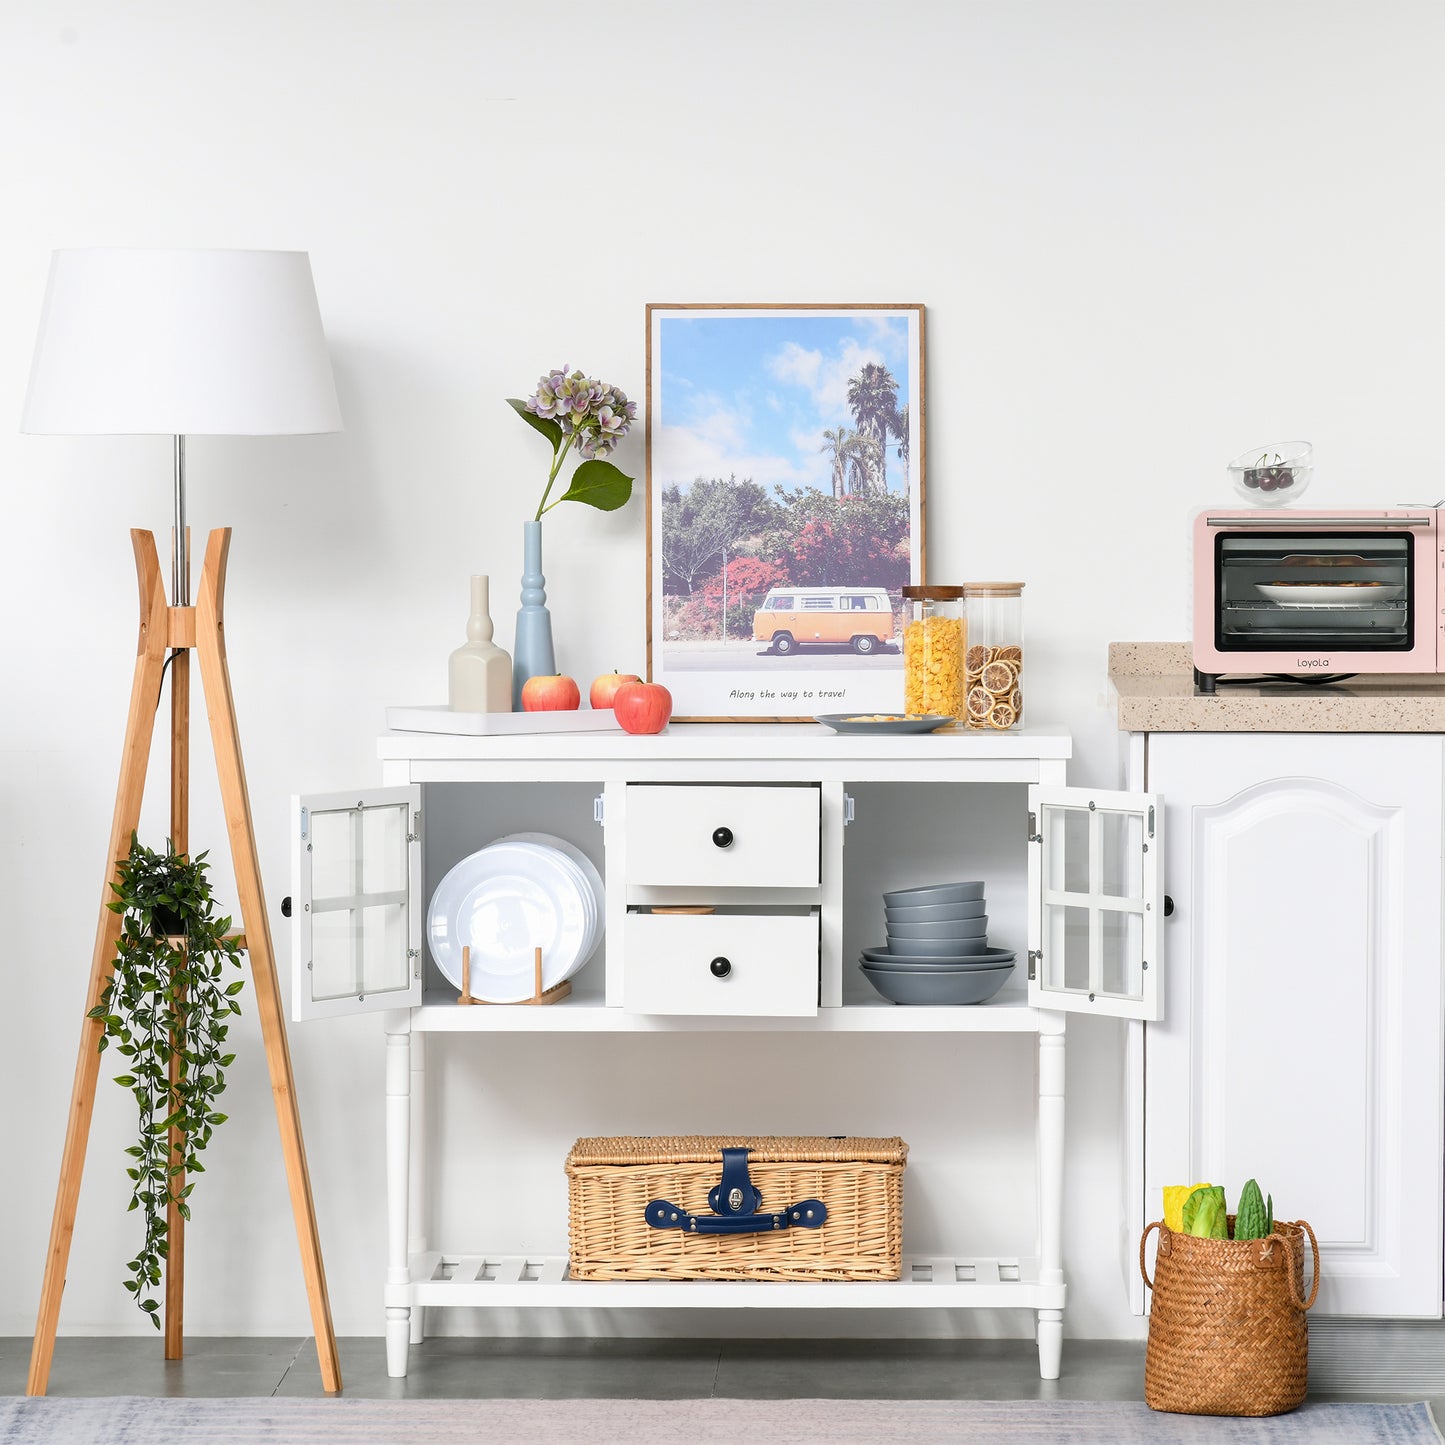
x,y
1154,682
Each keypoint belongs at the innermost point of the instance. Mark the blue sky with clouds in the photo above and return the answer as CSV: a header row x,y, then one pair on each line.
x,y
749,394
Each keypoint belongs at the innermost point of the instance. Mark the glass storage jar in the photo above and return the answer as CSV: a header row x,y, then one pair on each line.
x,y
933,645
994,659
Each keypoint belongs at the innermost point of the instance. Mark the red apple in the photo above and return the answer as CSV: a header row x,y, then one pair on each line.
x,y
642,707
604,688
555,693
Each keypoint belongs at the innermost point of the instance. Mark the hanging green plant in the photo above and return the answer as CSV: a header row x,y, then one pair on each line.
x,y
168,997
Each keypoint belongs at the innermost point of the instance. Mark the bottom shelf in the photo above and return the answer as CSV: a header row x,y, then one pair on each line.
x,y
541,1281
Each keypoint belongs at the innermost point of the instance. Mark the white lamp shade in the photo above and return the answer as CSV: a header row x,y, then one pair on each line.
x,y
221,343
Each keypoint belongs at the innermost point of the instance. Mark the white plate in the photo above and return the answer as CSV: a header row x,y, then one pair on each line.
x,y
504,901
590,875
1330,594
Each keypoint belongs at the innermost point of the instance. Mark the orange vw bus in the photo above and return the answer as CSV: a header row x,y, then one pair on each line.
x,y
794,617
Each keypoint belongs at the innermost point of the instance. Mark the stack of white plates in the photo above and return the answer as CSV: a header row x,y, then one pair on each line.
x,y
523,892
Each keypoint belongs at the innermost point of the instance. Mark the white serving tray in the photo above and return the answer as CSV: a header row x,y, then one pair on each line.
x,y
441,719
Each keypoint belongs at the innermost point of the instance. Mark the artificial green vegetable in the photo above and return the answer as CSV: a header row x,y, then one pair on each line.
x,y
1250,1219
1204,1213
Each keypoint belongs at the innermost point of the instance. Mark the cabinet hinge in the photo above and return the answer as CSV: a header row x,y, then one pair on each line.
x,y
1151,820
305,821
1036,957
415,835
847,809
1034,835
599,810
415,953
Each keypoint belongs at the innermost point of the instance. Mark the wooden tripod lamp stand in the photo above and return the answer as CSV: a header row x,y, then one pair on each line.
x,y
179,343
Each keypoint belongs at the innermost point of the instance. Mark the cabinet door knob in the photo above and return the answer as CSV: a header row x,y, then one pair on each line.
x,y
286,906
1168,906
720,967
723,837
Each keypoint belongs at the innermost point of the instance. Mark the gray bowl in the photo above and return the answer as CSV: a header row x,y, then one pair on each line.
x,y
975,986
936,913
937,947
942,930
937,965
932,893
981,955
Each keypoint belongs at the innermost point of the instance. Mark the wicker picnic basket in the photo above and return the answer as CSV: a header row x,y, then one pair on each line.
x,y
736,1207
1227,1331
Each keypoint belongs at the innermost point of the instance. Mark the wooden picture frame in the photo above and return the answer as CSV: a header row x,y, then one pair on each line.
x,y
785,505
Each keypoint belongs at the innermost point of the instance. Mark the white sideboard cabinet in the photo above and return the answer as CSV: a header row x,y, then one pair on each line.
x,y
790,833
1301,1039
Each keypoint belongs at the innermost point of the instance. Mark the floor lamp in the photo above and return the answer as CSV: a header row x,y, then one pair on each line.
x,y
182,343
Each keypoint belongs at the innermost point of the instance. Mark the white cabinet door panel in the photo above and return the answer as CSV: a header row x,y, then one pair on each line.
x,y
1301,1038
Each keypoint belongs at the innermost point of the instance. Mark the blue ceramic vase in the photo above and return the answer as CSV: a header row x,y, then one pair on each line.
x,y
532,654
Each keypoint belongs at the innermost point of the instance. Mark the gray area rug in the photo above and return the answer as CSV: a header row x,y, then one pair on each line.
x,y
143,1421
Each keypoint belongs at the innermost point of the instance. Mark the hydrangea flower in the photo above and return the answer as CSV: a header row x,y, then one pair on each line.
x,y
596,411
575,410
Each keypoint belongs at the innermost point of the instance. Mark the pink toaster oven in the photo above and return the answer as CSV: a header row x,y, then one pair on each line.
x,y
1314,594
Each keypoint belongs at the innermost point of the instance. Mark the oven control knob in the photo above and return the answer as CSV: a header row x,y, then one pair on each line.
x,y
720,967
722,837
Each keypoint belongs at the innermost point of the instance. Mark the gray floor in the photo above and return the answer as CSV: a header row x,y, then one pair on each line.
x,y
621,1369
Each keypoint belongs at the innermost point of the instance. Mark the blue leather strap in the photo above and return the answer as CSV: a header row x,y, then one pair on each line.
x,y
806,1214
736,1194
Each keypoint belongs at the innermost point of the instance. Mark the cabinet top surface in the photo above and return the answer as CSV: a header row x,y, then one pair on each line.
x,y
726,742
1154,685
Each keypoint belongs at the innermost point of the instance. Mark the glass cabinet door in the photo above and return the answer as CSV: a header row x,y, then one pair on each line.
x,y
356,910
1094,881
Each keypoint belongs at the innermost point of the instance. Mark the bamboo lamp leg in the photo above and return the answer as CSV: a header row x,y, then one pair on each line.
x,y
135,754
180,839
220,709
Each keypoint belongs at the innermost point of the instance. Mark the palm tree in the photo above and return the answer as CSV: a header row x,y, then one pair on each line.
x,y
899,427
873,399
864,456
835,445
853,459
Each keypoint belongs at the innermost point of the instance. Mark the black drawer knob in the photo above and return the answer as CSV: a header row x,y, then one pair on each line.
x,y
286,906
1168,906
723,837
720,967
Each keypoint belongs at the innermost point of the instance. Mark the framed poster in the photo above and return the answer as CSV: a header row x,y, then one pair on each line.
x,y
784,506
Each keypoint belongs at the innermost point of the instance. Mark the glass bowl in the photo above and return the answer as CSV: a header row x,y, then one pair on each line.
x,y
1275,475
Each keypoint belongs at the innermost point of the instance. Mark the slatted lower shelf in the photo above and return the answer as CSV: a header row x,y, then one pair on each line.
x,y
541,1281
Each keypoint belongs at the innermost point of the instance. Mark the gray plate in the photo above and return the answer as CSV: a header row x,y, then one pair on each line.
x,y
943,931
932,893
934,965
843,722
965,954
937,947
975,986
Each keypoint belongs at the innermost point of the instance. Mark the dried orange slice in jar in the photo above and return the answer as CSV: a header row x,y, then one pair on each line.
x,y
975,658
979,703
1001,715
1010,654
999,678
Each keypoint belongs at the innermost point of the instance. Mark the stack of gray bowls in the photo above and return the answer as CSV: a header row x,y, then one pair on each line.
x,y
937,950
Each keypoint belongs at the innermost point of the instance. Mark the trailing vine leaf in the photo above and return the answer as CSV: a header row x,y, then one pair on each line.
x,y
167,999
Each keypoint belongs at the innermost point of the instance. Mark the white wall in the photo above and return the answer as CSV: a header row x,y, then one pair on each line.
x,y
1148,235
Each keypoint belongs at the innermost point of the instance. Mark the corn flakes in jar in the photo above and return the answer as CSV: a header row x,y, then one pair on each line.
x,y
934,640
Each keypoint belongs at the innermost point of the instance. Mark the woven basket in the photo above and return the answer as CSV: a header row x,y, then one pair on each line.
x,y
1227,1331
612,1181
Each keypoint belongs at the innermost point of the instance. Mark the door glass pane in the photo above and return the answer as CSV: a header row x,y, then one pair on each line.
x,y
383,849
360,923
1121,868
384,963
1066,949
1068,832
1121,945
333,854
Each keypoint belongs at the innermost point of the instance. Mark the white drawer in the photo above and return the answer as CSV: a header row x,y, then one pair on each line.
x,y
768,964
696,836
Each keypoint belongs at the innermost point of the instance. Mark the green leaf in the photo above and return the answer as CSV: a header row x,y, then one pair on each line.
x,y
550,429
599,484
233,989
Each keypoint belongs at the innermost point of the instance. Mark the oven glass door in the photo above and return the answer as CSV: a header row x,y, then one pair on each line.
x,y
1341,591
